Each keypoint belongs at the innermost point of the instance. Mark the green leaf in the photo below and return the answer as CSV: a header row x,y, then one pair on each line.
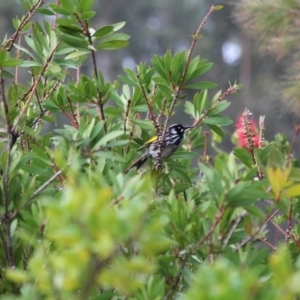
x,y
30,54
217,120
2,57
144,124
77,53
159,65
191,68
179,188
108,137
118,26
103,31
46,11
34,46
114,111
68,23
104,296
219,7
128,81
201,85
217,130
244,156
66,4
221,106
88,15
60,10
181,174
200,102
184,155
76,42
189,109
201,69
85,5
117,37
293,191
54,67
112,45
237,192
109,155
13,62
6,74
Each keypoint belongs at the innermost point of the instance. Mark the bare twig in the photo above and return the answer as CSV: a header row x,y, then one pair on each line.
x,y
217,220
150,112
266,242
127,114
74,121
77,104
18,56
32,89
234,225
54,24
177,278
100,106
290,155
10,42
268,219
180,87
232,89
206,133
289,221
261,125
34,194
161,115
6,178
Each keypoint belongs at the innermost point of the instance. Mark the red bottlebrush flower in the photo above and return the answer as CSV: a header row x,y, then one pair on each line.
x,y
246,132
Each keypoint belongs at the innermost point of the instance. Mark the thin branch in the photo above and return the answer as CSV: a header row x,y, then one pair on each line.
x,y
235,223
43,111
266,242
127,114
289,222
161,113
97,266
74,121
87,33
269,218
278,228
32,89
217,220
54,24
9,44
290,155
177,278
18,56
77,104
34,194
206,133
177,93
150,112
3,243
6,178
232,89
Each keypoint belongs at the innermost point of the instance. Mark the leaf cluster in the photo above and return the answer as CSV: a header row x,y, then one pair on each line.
x,y
73,225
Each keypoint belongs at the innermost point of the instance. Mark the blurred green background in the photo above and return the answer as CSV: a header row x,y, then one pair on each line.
x,y
158,25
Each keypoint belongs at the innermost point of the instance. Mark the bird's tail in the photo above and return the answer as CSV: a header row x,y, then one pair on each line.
x,y
137,163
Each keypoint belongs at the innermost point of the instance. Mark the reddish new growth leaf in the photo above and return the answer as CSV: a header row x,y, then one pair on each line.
x,y
246,132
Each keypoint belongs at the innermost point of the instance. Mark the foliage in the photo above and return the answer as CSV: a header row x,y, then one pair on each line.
x,y
272,24
73,225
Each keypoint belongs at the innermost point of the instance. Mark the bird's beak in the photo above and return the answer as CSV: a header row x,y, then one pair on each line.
x,y
187,128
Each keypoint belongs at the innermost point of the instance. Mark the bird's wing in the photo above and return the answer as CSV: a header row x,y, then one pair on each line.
x,y
153,139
